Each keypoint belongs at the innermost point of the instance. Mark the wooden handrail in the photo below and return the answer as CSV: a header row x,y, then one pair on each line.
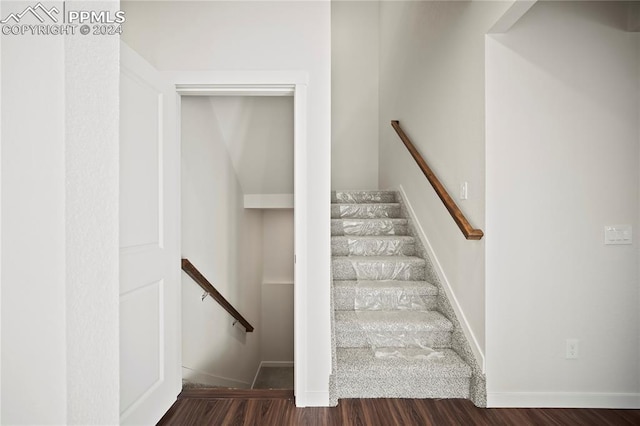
x,y
469,232
193,272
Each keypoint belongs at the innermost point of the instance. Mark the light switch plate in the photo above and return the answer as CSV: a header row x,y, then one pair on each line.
x,y
617,234
464,190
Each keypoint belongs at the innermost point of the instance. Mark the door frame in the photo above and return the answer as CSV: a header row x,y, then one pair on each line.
x,y
270,83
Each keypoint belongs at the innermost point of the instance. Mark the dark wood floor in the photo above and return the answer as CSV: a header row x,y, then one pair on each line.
x,y
278,409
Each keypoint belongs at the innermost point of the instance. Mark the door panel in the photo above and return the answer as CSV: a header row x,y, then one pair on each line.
x,y
140,309
141,123
150,374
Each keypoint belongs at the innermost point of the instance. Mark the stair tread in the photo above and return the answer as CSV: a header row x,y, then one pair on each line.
x,y
417,287
369,226
367,204
373,237
396,267
357,196
365,210
412,259
400,320
396,220
362,362
377,245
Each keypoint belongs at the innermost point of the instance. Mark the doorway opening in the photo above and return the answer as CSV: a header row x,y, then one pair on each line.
x,y
238,222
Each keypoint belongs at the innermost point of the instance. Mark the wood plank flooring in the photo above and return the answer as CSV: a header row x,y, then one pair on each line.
x,y
278,409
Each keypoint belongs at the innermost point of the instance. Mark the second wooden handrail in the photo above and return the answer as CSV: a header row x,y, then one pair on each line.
x,y
469,232
193,272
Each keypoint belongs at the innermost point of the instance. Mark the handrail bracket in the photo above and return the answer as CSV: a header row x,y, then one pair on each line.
x,y
209,290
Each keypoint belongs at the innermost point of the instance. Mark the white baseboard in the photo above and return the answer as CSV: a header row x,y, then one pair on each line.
x,y
276,364
462,319
312,399
563,400
270,364
197,376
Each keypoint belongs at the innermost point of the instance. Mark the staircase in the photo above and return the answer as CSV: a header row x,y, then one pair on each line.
x,y
395,334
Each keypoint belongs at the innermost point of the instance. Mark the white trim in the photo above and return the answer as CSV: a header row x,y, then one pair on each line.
x,y
216,80
301,229
202,81
270,364
235,89
268,201
314,399
563,400
197,376
462,319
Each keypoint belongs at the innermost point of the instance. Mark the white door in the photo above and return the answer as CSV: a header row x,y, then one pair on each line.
x,y
150,377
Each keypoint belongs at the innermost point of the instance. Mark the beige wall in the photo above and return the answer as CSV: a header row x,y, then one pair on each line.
x,y
354,94
278,286
258,134
562,162
432,80
224,241
246,253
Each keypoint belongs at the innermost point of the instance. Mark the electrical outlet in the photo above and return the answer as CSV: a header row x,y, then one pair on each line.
x,y
572,349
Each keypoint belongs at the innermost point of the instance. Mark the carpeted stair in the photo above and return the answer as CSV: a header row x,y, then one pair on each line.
x,y
391,337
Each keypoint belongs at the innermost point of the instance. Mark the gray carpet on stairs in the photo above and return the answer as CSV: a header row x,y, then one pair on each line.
x,y
394,333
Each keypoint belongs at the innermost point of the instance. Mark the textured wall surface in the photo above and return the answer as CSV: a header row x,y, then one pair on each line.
x,y
91,226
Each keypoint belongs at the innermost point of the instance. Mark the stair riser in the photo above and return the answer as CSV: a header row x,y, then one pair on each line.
x,y
344,269
382,247
360,339
408,386
344,300
348,227
363,197
365,211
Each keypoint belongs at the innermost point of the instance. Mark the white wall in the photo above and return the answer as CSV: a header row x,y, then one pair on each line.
x,y
432,80
288,36
33,231
258,132
562,162
354,94
224,241
277,288
59,228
